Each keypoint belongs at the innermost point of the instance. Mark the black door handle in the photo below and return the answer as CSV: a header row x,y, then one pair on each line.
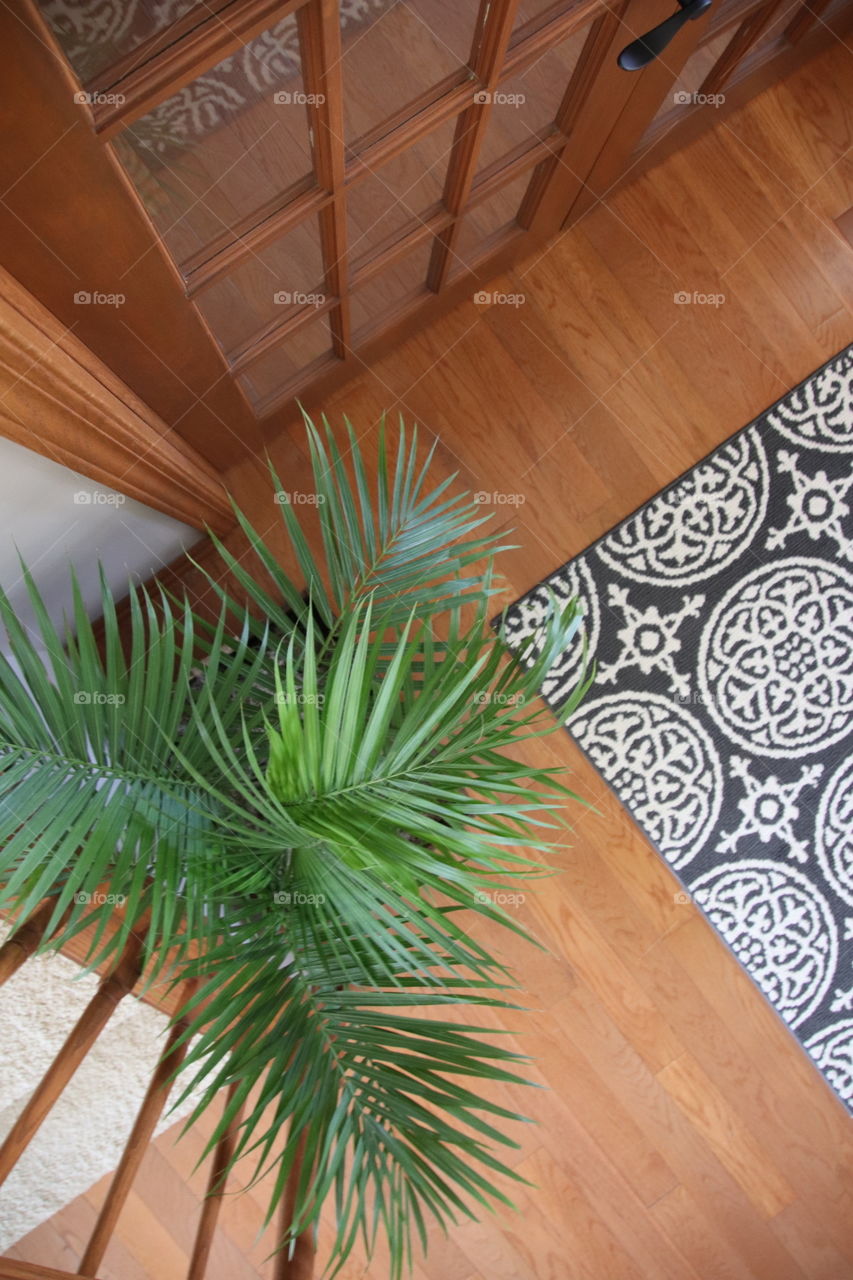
x,y
650,46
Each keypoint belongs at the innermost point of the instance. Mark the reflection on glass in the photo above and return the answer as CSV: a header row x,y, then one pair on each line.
x,y
380,297
267,286
94,36
225,145
486,220
395,50
530,10
287,361
769,41
696,70
723,12
401,191
526,104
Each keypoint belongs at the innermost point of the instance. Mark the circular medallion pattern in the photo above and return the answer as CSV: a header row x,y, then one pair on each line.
x,y
660,762
776,658
526,618
832,1050
820,412
834,831
700,524
780,927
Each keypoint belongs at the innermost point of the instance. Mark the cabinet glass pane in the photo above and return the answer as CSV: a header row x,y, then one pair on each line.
x,y
524,105
287,361
402,190
222,147
683,93
395,50
534,12
724,12
94,36
768,43
382,295
269,285
487,219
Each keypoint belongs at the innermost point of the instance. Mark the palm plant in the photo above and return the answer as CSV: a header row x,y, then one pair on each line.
x,y
304,833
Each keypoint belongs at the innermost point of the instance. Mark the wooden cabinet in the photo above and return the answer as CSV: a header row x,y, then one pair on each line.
x,y
276,191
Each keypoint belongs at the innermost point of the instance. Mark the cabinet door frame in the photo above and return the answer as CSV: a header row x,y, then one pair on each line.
x,y
98,238
624,158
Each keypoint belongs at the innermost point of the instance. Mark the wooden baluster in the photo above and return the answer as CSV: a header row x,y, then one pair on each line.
x,y
22,944
213,1199
298,1265
136,1146
114,986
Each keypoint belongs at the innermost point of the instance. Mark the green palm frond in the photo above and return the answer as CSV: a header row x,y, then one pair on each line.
x,y
95,808
384,1104
318,816
400,542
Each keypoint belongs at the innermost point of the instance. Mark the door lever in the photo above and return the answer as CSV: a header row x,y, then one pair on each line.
x,y
646,48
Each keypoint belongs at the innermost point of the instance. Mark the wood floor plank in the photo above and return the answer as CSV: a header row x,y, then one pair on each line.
x,y
696,1238
694,1163
681,1133
726,1134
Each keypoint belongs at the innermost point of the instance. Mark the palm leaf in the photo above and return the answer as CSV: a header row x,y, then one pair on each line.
x,y
316,819
95,809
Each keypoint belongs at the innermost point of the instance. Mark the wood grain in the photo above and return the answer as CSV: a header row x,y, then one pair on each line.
x,y
682,1133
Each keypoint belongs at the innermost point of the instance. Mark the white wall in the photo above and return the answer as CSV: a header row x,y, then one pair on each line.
x,y
54,517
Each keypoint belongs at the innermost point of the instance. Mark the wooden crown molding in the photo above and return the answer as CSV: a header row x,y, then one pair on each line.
x,y
59,399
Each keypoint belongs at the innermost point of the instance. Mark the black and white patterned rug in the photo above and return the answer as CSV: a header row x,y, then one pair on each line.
x,y
720,617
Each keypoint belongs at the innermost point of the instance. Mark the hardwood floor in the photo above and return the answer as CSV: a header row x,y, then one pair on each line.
x,y
684,1135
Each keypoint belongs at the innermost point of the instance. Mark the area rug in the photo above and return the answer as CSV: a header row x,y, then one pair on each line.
x,y
720,618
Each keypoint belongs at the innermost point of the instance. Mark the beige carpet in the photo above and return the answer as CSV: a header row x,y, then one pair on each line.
x,y
83,1137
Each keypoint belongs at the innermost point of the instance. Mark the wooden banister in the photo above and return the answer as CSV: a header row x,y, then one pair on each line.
x,y
89,1026
298,1265
24,941
213,1199
136,1146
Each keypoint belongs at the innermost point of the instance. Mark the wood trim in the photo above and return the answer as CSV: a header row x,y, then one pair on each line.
x,y
59,399
112,989
320,42
251,235
322,379
803,21
495,29
718,23
266,339
597,93
781,63
410,124
142,85
215,1191
549,35
747,34
98,237
634,99
137,1143
398,244
12,1269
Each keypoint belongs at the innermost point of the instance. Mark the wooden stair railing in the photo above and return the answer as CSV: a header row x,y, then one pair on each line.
x,y
21,945
112,989
136,1146
114,985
